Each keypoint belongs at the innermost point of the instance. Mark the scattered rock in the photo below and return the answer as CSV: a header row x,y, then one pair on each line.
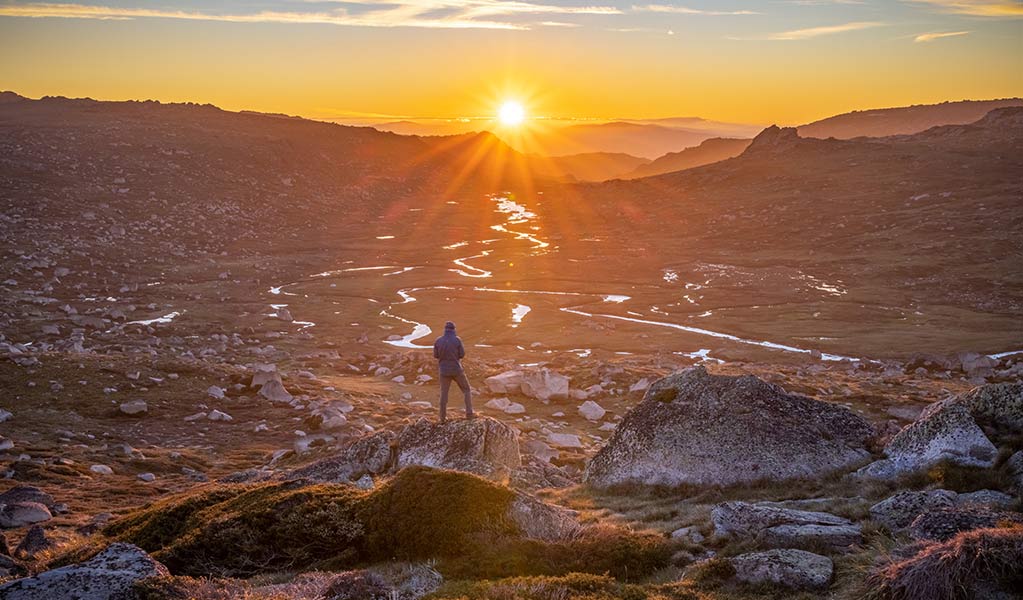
x,y
34,542
945,523
542,521
899,511
592,411
216,415
564,440
101,470
19,514
545,385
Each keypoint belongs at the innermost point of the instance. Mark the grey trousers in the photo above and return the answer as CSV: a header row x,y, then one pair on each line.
x,y
445,385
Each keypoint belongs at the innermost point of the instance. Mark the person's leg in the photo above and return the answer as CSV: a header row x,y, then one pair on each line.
x,y
445,385
463,383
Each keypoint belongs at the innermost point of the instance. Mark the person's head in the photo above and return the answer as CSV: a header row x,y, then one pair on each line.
x,y
449,326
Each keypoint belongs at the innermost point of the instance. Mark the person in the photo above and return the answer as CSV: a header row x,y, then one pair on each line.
x,y
449,352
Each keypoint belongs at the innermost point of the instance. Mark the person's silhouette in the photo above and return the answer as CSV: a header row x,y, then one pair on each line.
x,y
449,352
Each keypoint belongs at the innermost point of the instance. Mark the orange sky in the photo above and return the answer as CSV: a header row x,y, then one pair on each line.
x,y
742,60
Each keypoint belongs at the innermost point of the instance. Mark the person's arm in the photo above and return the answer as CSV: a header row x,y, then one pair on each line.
x,y
461,350
436,353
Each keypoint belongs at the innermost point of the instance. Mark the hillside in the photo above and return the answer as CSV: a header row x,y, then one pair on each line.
x,y
709,151
594,166
883,122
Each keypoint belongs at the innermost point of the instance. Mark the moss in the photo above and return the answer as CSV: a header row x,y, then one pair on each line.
x,y
162,522
424,513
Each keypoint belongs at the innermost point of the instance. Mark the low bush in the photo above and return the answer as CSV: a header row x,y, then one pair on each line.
x,y
973,564
573,586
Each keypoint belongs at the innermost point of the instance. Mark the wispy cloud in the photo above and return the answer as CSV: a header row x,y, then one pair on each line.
x,y
978,8
930,37
812,32
684,10
457,14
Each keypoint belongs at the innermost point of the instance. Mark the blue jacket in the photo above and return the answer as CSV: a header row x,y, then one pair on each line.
x,y
448,351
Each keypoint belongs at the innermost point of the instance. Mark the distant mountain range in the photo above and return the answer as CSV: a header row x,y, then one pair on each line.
x,y
883,122
709,151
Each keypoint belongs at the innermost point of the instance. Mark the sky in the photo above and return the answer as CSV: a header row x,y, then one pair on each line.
x,y
746,61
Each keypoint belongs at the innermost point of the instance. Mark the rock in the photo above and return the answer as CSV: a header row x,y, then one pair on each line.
x,y
393,581
368,455
564,440
945,523
498,404
5,415
216,415
147,477
998,404
26,493
509,382
689,534
702,429
796,569
34,542
591,411
275,391
215,391
640,386
195,417
5,443
263,373
19,514
11,568
5,550
540,450
986,498
134,407
1014,466
899,511
365,482
329,417
945,432
778,527
545,385
109,575
515,409
482,445
542,521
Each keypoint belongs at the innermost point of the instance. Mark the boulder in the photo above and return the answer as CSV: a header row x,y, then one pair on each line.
x,y
945,432
274,391
899,511
778,527
591,411
19,514
796,569
369,455
109,575
986,498
509,382
945,523
542,521
564,440
545,385
482,445
1014,466
134,407
999,405
696,428
26,493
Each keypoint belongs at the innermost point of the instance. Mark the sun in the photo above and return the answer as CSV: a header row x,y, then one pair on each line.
x,y
511,113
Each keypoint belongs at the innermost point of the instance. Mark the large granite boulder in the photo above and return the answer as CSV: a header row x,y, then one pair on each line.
x,y
945,523
796,569
19,514
696,428
107,576
778,527
950,431
482,445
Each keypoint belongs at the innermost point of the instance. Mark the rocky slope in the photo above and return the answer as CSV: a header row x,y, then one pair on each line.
x,y
884,122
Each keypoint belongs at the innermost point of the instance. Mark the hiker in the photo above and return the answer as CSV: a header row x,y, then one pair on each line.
x,y
448,350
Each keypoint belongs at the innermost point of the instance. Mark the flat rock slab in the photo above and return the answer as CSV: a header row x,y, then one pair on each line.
x,y
784,527
796,569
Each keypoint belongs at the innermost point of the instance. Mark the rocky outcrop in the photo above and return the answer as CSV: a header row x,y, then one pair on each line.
x,y
950,431
698,428
19,514
778,527
542,384
483,446
796,569
107,576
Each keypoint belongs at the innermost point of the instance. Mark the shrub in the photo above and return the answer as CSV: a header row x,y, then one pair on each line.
x,y
423,513
570,586
957,569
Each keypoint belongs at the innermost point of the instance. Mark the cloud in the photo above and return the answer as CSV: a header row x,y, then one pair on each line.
x,y
664,8
978,8
812,32
930,37
455,14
